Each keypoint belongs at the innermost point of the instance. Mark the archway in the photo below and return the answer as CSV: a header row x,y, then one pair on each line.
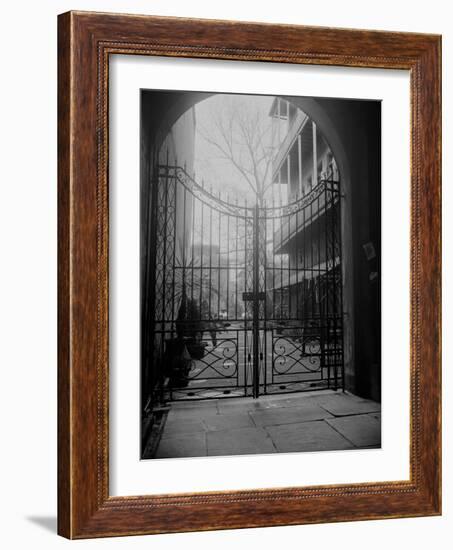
x,y
343,133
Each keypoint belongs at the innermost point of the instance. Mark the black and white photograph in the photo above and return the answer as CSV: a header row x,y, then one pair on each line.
x,y
260,228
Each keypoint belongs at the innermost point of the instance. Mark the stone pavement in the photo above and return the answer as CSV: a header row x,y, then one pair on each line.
x,y
312,421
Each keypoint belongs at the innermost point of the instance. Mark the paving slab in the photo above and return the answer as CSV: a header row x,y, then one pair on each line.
x,y
307,436
241,441
362,430
287,403
181,427
290,400
227,421
345,404
182,446
245,404
188,414
194,405
289,415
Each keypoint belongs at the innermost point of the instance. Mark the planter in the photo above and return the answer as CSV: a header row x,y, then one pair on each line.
x,y
196,349
177,362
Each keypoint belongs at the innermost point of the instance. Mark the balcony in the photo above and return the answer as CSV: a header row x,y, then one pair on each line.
x,y
294,130
299,215
295,276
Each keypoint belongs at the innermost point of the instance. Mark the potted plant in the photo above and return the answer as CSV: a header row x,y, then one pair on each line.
x,y
192,319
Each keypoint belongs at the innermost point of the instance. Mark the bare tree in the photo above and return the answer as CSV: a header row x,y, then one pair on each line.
x,y
241,133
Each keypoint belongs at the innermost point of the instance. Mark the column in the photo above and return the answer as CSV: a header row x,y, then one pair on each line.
x,y
299,163
288,167
315,157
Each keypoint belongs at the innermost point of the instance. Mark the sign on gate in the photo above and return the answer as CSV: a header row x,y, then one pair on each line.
x,y
250,296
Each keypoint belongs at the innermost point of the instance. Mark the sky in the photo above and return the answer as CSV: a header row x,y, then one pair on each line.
x,y
226,112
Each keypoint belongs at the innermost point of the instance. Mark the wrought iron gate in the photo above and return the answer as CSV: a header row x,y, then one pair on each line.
x,y
247,299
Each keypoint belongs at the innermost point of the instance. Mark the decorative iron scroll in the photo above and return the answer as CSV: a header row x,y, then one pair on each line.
x,y
295,356
218,359
331,187
205,195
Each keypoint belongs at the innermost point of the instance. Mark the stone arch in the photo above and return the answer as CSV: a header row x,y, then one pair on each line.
x,y
343,125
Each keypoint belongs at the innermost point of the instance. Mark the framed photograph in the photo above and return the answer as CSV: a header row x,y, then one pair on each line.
x,y
249,275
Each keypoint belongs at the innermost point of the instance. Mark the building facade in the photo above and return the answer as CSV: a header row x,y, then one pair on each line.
x,y
308,242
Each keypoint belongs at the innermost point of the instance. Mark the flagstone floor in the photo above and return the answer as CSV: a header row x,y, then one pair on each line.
x,y
311,421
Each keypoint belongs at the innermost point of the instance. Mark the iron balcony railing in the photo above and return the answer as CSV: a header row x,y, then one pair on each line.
x,y
303,212
294,130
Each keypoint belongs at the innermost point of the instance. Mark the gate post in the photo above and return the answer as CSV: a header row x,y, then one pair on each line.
x,y
256,327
